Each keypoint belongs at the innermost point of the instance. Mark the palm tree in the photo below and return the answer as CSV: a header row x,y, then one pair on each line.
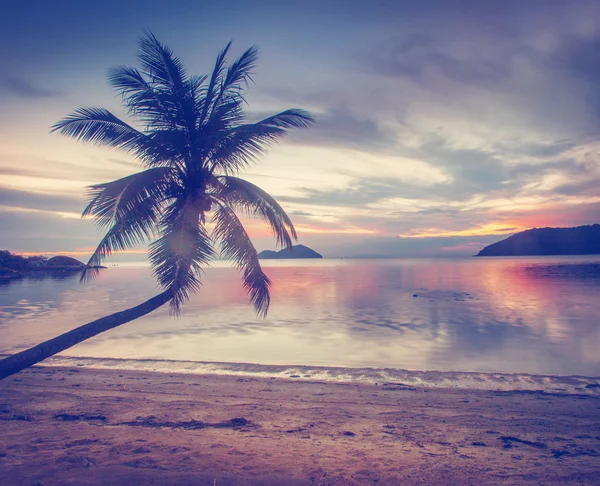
x,y
186,200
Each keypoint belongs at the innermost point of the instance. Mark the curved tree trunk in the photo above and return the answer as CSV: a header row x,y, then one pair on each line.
x,y
17,362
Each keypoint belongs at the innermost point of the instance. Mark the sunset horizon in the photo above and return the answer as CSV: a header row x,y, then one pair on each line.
x,y
451,136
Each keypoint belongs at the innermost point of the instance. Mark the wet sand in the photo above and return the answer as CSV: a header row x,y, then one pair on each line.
x,y
78,426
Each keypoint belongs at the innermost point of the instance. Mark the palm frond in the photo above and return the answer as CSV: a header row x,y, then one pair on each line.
x,y
239,73
140,97
129,81
171,85
222,106
125,233
130,207
112,201
225,106
292,118
226,115
207,100
236,245
240,146
166,148
160,64
196,84
99,126
250,198
178,255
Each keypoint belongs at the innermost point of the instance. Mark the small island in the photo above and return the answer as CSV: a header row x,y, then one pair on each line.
x,y
16,266
297,251
580,240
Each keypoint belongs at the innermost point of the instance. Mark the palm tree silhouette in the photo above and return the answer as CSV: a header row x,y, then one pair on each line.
x,y
193,145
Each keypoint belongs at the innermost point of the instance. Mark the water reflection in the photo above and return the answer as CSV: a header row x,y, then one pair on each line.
x,y
513,315
589,272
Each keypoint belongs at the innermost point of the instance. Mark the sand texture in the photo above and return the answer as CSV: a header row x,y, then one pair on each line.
x,y
77,426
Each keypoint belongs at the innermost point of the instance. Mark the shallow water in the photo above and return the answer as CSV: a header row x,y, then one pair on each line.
x,y
515,315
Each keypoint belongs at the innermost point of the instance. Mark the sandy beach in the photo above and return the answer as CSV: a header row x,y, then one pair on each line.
x,y
81,426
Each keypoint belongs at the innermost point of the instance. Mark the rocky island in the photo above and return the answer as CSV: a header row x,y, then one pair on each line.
x,y
297,251
580,240
16,266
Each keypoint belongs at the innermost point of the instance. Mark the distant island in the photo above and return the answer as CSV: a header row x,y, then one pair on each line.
x,y
581,240
15,266
297,251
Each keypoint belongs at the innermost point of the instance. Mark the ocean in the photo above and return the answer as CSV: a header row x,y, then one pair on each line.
x,y
505,315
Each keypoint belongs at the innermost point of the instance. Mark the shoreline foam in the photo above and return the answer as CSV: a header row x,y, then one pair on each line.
x,y
575,384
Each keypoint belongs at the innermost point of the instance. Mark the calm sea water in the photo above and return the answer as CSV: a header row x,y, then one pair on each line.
x,y
525,315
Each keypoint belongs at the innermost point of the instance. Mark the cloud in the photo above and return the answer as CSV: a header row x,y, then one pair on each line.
x,y
342,127
359,193
22,88
301,213
45,232
563,213
34,200
424,58
87,172
336,125
583,187
580,57
467,174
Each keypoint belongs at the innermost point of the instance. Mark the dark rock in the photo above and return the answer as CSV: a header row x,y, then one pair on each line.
x,y
66,417
558,453
581,240
145,463
297,251
15,266
17,417
151,422
397,387
509,440
75,461
64,261
239,421
81,442
141,450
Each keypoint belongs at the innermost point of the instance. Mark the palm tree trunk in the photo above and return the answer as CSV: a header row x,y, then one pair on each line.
x,y
17,362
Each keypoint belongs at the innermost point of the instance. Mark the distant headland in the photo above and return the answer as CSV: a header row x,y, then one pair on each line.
x,y
297,251
581,240
15,266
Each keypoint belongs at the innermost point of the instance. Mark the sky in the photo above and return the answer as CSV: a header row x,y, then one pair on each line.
x,y
441,126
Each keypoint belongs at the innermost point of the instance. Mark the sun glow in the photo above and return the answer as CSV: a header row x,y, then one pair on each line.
x,y
483,230
302,228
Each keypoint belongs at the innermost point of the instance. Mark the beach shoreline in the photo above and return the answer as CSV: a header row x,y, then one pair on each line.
x,y
76,425
476,380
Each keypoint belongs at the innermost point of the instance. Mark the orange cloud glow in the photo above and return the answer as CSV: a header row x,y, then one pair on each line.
x,y
353,230
483,230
